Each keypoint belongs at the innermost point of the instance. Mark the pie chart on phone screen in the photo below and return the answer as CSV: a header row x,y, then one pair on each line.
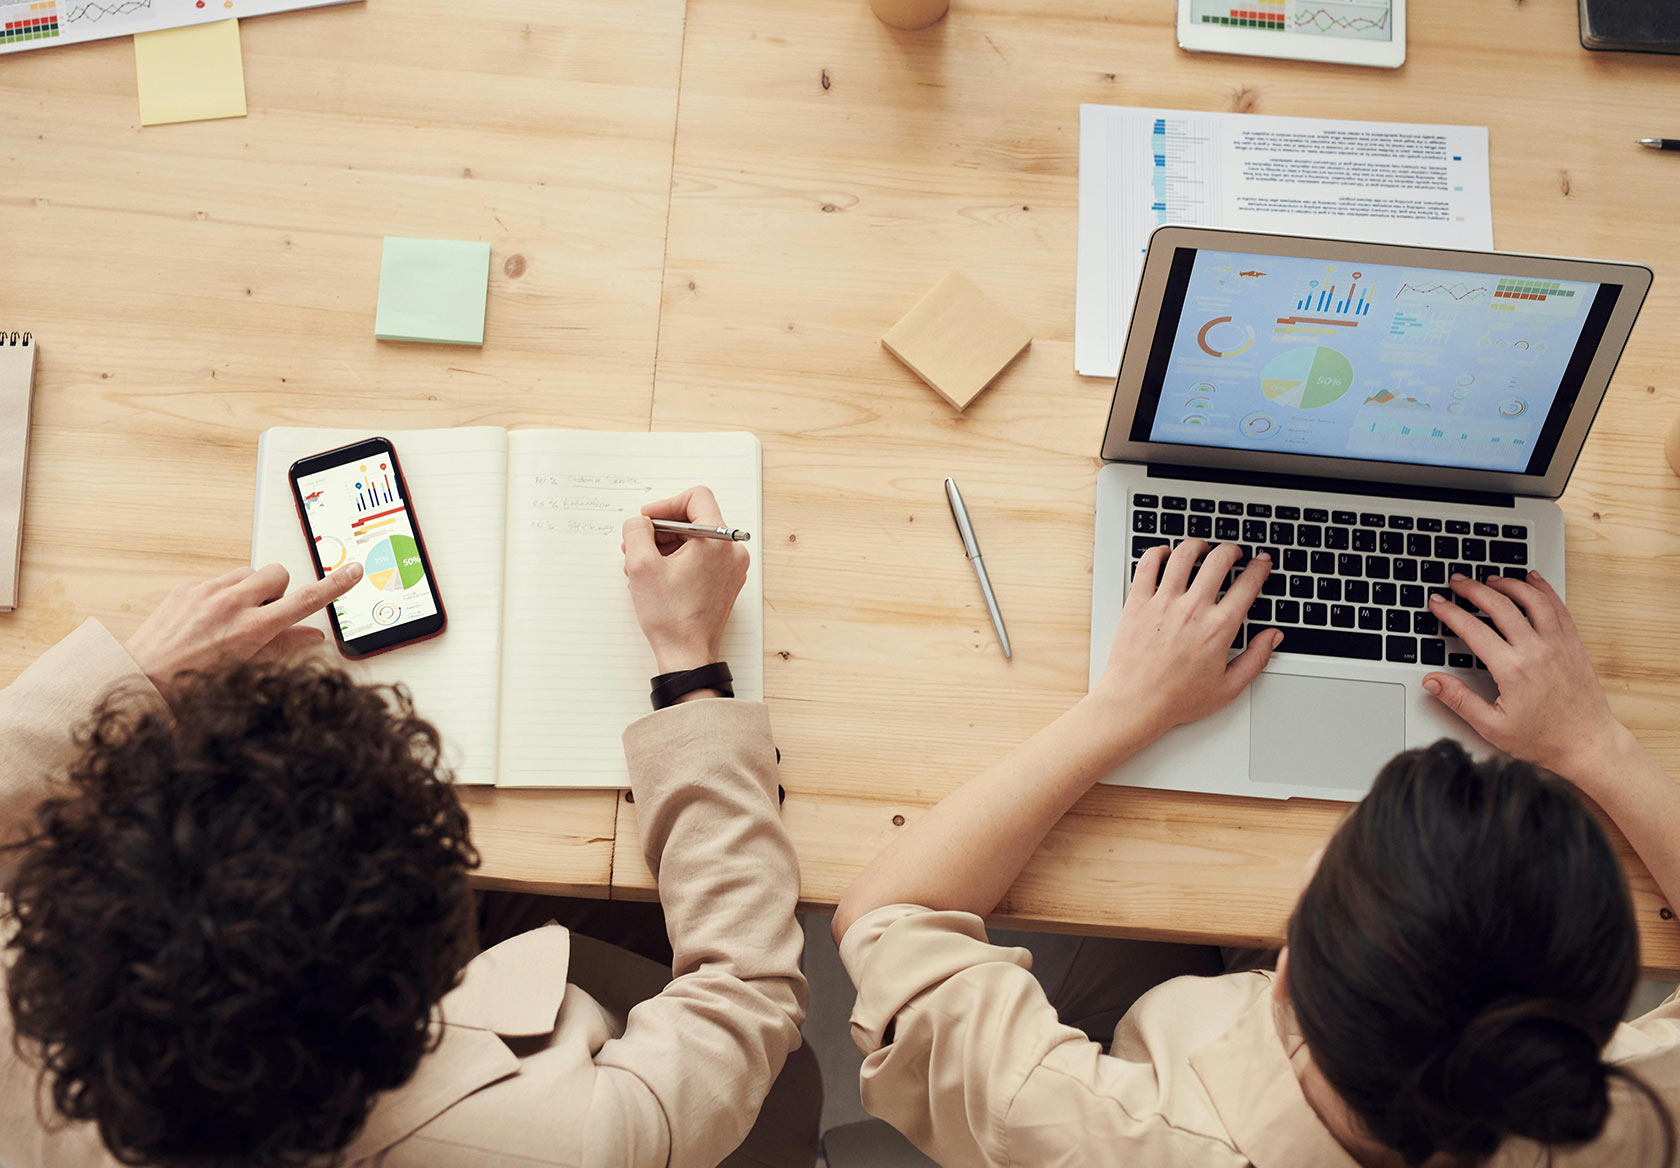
x,y
393,564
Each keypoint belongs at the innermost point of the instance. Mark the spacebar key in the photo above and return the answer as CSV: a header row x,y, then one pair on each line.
x,y
1330,643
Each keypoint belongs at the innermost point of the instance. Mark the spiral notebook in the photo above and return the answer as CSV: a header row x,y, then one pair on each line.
x,y
543,664
17,393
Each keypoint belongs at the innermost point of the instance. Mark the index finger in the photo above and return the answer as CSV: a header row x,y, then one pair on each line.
x,y
311,598
1560,610
1513,624
640,546
1534,603
695,505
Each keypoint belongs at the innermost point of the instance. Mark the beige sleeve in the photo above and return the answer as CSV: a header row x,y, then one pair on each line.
x,y
702,1055
964,1054
949,1026
44,705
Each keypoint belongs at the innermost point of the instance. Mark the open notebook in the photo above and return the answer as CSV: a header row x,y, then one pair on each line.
x,y
542,665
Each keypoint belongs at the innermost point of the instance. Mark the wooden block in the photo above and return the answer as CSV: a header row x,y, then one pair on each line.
x,y
957,340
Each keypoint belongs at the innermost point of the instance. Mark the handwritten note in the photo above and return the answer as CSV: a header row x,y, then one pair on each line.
x,y
543,664
575,665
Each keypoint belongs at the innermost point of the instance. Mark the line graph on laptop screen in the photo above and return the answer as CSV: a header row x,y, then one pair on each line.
x,y
1368,361
1365,20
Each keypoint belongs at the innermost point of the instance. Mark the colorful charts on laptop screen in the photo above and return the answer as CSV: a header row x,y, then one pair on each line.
x,y
1367,361
1306,377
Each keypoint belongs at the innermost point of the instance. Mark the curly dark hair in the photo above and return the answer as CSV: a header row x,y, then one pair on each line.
x,y
232,933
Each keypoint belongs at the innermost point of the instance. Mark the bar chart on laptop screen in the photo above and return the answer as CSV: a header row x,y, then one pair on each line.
x,y
1368,21
1368,361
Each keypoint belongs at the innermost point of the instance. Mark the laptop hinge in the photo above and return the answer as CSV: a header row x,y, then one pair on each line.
x,y
1330,486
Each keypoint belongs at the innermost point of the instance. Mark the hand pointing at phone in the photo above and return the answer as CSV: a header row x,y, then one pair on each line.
x,y
234,617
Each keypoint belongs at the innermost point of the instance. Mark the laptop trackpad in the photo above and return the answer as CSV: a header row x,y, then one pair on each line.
x,y
1322,731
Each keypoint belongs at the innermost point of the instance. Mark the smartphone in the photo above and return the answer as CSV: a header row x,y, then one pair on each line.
x,y
355,508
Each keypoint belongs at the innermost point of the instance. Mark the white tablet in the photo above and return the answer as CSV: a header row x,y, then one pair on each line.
x,y
1348,32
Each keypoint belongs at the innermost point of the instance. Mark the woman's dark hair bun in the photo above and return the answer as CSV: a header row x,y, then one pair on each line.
x,y
1529,1068
1461,958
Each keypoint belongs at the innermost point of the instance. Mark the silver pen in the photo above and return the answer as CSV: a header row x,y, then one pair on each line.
x,y
971,547
700,530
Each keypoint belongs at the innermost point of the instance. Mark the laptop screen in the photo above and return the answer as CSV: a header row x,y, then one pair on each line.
x,y
1432,367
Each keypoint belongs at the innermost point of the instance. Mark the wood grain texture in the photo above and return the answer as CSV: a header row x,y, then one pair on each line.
x,y
191,285
828,168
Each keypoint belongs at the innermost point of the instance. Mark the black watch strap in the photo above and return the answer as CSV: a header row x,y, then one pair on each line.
x,y
669,688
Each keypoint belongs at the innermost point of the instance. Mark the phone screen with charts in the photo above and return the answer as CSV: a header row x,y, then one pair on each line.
x,y
355,508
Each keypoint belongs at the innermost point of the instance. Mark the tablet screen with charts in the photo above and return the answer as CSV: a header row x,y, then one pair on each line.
x,y
1351,32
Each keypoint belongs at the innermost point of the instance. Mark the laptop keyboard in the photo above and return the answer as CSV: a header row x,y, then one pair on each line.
x,y
1344,583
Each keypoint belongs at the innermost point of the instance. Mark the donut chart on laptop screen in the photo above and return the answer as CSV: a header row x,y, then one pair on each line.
x,y
1340,359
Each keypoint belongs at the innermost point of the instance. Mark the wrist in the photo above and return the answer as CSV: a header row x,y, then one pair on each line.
x,y
155,671
1604,759
712,680
1125,720
681,658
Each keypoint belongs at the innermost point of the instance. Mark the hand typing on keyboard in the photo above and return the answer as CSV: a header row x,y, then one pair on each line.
x,y
1551,709
1170,662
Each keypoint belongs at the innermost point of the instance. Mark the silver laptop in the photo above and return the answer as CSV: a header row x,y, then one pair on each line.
x,y
1374,417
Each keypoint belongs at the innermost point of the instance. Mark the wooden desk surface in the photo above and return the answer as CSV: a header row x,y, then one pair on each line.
x,y
192,285
829,170
728,253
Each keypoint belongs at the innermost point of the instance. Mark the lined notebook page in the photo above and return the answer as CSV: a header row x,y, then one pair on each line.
x,y
457,480
575,666
17,388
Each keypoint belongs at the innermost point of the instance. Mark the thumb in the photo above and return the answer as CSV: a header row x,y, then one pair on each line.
x,y
1246,666
640,546
1452,693
296,639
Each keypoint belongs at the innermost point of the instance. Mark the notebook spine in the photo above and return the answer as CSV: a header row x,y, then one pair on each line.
x,y
14,338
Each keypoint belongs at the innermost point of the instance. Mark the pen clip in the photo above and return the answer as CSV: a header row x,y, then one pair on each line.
x,y
971,546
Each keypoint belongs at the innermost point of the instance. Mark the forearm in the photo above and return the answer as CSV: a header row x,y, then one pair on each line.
x,y
709,1047
1644,802
966,853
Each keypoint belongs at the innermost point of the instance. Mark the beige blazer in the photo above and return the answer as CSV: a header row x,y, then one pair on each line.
x,y
532,1070
965,1056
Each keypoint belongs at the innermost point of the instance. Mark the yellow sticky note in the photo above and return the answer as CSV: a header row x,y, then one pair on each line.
x,y
190,74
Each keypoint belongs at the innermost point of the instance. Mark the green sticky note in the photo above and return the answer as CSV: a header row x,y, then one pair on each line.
x,y
433,290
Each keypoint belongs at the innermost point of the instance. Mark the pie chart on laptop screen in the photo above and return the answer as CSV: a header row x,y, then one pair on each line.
x,y
1308,377
393,564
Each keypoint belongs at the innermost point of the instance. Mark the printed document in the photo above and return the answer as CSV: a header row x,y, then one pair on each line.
x,y
1384,182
